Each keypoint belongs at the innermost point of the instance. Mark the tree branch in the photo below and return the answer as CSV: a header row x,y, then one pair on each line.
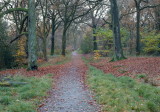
x,y
18,36
12,10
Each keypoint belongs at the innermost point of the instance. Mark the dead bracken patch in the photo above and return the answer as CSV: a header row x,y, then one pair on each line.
x,y
132,66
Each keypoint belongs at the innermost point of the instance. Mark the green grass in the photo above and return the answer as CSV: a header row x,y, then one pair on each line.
x,y
123,94
24,98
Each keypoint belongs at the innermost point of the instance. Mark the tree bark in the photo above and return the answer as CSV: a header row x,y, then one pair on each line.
x,y
45,49
53,35
94,27
157,15
95,47
138,49
64,40
32,41
116,31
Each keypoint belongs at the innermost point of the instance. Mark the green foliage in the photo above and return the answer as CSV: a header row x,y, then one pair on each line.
x,y
87,45
124,36
123,94
24,98
106,34
105,39
151,43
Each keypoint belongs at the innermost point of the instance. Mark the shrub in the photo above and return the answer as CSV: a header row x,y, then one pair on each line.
x,y
87,45
151,42
21,56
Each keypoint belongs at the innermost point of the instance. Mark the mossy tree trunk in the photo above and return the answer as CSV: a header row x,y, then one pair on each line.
x,y
94,28
95,47
64,37
44,41
138,49
157,17
116,31
53,36
32,41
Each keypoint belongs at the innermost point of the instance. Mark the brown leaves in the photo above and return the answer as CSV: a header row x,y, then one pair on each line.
x,y
40,72
132,66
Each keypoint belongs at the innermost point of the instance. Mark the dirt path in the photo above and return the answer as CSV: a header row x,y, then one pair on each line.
x,y
70,93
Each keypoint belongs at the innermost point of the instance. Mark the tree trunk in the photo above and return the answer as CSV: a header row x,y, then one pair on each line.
x,y
95,47
131,42
94,27
53,39
138,49
45,48
116,31
157,16
32,41
64,41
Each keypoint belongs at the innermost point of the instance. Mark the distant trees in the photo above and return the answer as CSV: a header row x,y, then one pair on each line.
x,y
140,5
96,16
44,24
72,10
55,21
68,12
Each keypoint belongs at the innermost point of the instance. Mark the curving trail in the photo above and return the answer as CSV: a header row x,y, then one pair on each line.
x,y
70,93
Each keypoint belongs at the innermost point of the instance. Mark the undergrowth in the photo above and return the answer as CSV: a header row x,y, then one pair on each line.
x,y
24,98
56,60
123,94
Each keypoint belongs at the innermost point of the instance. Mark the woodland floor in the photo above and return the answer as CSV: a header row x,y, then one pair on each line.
x,y
132,67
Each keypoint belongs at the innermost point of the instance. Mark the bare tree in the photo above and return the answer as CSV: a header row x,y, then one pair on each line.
x,y
56,21
69,11
43,24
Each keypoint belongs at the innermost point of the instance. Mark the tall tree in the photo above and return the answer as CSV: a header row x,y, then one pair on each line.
x,y
44,25
32,41
116,31
55,22
139,7
157,17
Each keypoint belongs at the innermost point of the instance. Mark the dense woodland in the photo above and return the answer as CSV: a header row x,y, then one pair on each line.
x,y
34,29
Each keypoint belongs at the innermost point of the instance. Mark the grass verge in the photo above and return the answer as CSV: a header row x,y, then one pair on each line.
x,y
123,94
24,98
